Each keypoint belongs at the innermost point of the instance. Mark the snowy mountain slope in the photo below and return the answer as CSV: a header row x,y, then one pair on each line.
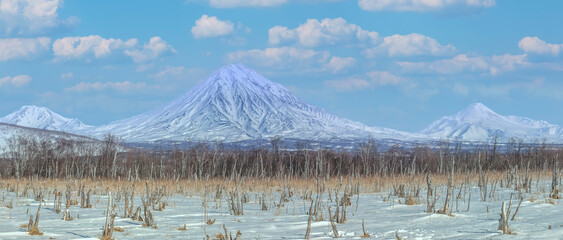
x,y
8,131
43,118
235,103
479,123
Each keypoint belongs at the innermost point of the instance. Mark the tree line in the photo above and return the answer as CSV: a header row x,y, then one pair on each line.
x,y
28,156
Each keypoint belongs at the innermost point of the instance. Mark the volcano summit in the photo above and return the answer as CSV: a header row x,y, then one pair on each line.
x,y
234,104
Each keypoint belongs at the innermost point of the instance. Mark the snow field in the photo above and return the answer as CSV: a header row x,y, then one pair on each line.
x,y
385,214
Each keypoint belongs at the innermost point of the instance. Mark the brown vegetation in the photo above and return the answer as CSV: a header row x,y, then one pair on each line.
x,y
43,168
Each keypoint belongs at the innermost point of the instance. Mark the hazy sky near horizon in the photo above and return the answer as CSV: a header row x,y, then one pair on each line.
x,y
397,64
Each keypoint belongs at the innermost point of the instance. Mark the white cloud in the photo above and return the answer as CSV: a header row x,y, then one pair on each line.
x,y
246,3
413,44
349,84
94,46
462,63
254,3
457,64
100,86
421,5
144,67
306,60
338,31
384,78
23,48
24,17
206,27
21,80
283,57
178,76
170,72
80,47
327,31
68,75
370,81
506,62
17,81
155,48
340,64
461,89
536,45
279,34
535,86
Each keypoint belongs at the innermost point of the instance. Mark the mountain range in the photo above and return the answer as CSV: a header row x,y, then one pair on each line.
x,y
43,118
236,103
479,123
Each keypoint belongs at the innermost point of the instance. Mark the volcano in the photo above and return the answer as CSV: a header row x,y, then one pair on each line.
x,y
235,103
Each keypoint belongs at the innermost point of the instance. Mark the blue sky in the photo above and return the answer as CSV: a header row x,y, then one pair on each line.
x,y
397,64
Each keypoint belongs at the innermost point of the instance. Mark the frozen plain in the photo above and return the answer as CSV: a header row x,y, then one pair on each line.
x,y
385,216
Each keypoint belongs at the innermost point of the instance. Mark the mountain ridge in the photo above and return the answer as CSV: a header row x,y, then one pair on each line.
x,y
479,123
42,118
11,130
235,103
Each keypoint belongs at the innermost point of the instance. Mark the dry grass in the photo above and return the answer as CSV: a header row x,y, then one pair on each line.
x,y
295,187
118,229
183,228
106,238
411,200
145,225
35,232
368,184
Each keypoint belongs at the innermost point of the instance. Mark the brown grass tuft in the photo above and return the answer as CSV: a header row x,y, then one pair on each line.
x,y
183,228
219,236
106,238
410,200
118,229
35,232
145,225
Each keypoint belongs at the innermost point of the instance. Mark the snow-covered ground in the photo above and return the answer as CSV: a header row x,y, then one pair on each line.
x,y
384,217
8,131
